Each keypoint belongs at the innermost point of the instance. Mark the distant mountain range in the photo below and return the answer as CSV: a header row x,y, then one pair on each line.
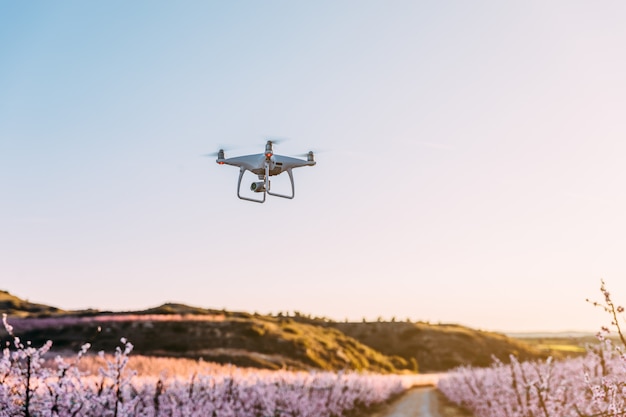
x,y
293,342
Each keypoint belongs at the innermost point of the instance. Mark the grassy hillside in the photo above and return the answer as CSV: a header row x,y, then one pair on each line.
x,y
438,347
262,341
258,341
15,306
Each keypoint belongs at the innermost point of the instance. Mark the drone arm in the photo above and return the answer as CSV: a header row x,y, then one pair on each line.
x,y
291,163
249,162
242,170
293,188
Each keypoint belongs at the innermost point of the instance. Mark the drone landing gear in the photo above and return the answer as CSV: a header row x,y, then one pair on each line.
x,y
293,190
265,186
242,170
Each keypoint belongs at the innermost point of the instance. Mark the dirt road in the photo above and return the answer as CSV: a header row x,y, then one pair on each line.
x,y
420,402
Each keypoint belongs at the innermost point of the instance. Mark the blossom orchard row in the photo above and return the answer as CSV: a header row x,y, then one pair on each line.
x,y
592,385
29,386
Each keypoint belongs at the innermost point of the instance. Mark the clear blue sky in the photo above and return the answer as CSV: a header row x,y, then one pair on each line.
x,y
473,169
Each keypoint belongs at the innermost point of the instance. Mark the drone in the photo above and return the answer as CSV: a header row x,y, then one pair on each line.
x,y
265,165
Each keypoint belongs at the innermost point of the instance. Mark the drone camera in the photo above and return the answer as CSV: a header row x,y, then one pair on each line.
x,y
258,187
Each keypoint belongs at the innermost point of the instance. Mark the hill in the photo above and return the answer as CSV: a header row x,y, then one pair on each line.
x,y
438,347
241,339
15,306
264,341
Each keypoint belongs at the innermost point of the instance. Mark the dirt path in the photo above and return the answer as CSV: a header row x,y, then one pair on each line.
x,y
420,402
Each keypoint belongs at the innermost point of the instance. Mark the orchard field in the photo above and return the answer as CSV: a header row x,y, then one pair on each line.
x,y
32,384
593,385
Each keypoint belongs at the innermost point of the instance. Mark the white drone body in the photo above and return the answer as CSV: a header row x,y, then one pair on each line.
x,y
265,165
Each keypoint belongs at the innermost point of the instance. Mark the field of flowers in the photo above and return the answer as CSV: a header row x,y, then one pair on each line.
x,y
32,384
592,385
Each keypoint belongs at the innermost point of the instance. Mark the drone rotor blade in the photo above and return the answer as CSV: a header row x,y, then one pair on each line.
x,y
276,140
221,148
315,152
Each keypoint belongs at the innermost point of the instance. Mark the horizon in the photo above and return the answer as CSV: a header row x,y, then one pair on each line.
x,y
469,166
293,313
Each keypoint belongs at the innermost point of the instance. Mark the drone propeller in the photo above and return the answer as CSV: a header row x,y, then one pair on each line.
x,y
219,154
314,151
275,140
221,149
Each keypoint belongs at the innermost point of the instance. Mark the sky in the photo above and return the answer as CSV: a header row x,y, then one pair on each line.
x,y
469,157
